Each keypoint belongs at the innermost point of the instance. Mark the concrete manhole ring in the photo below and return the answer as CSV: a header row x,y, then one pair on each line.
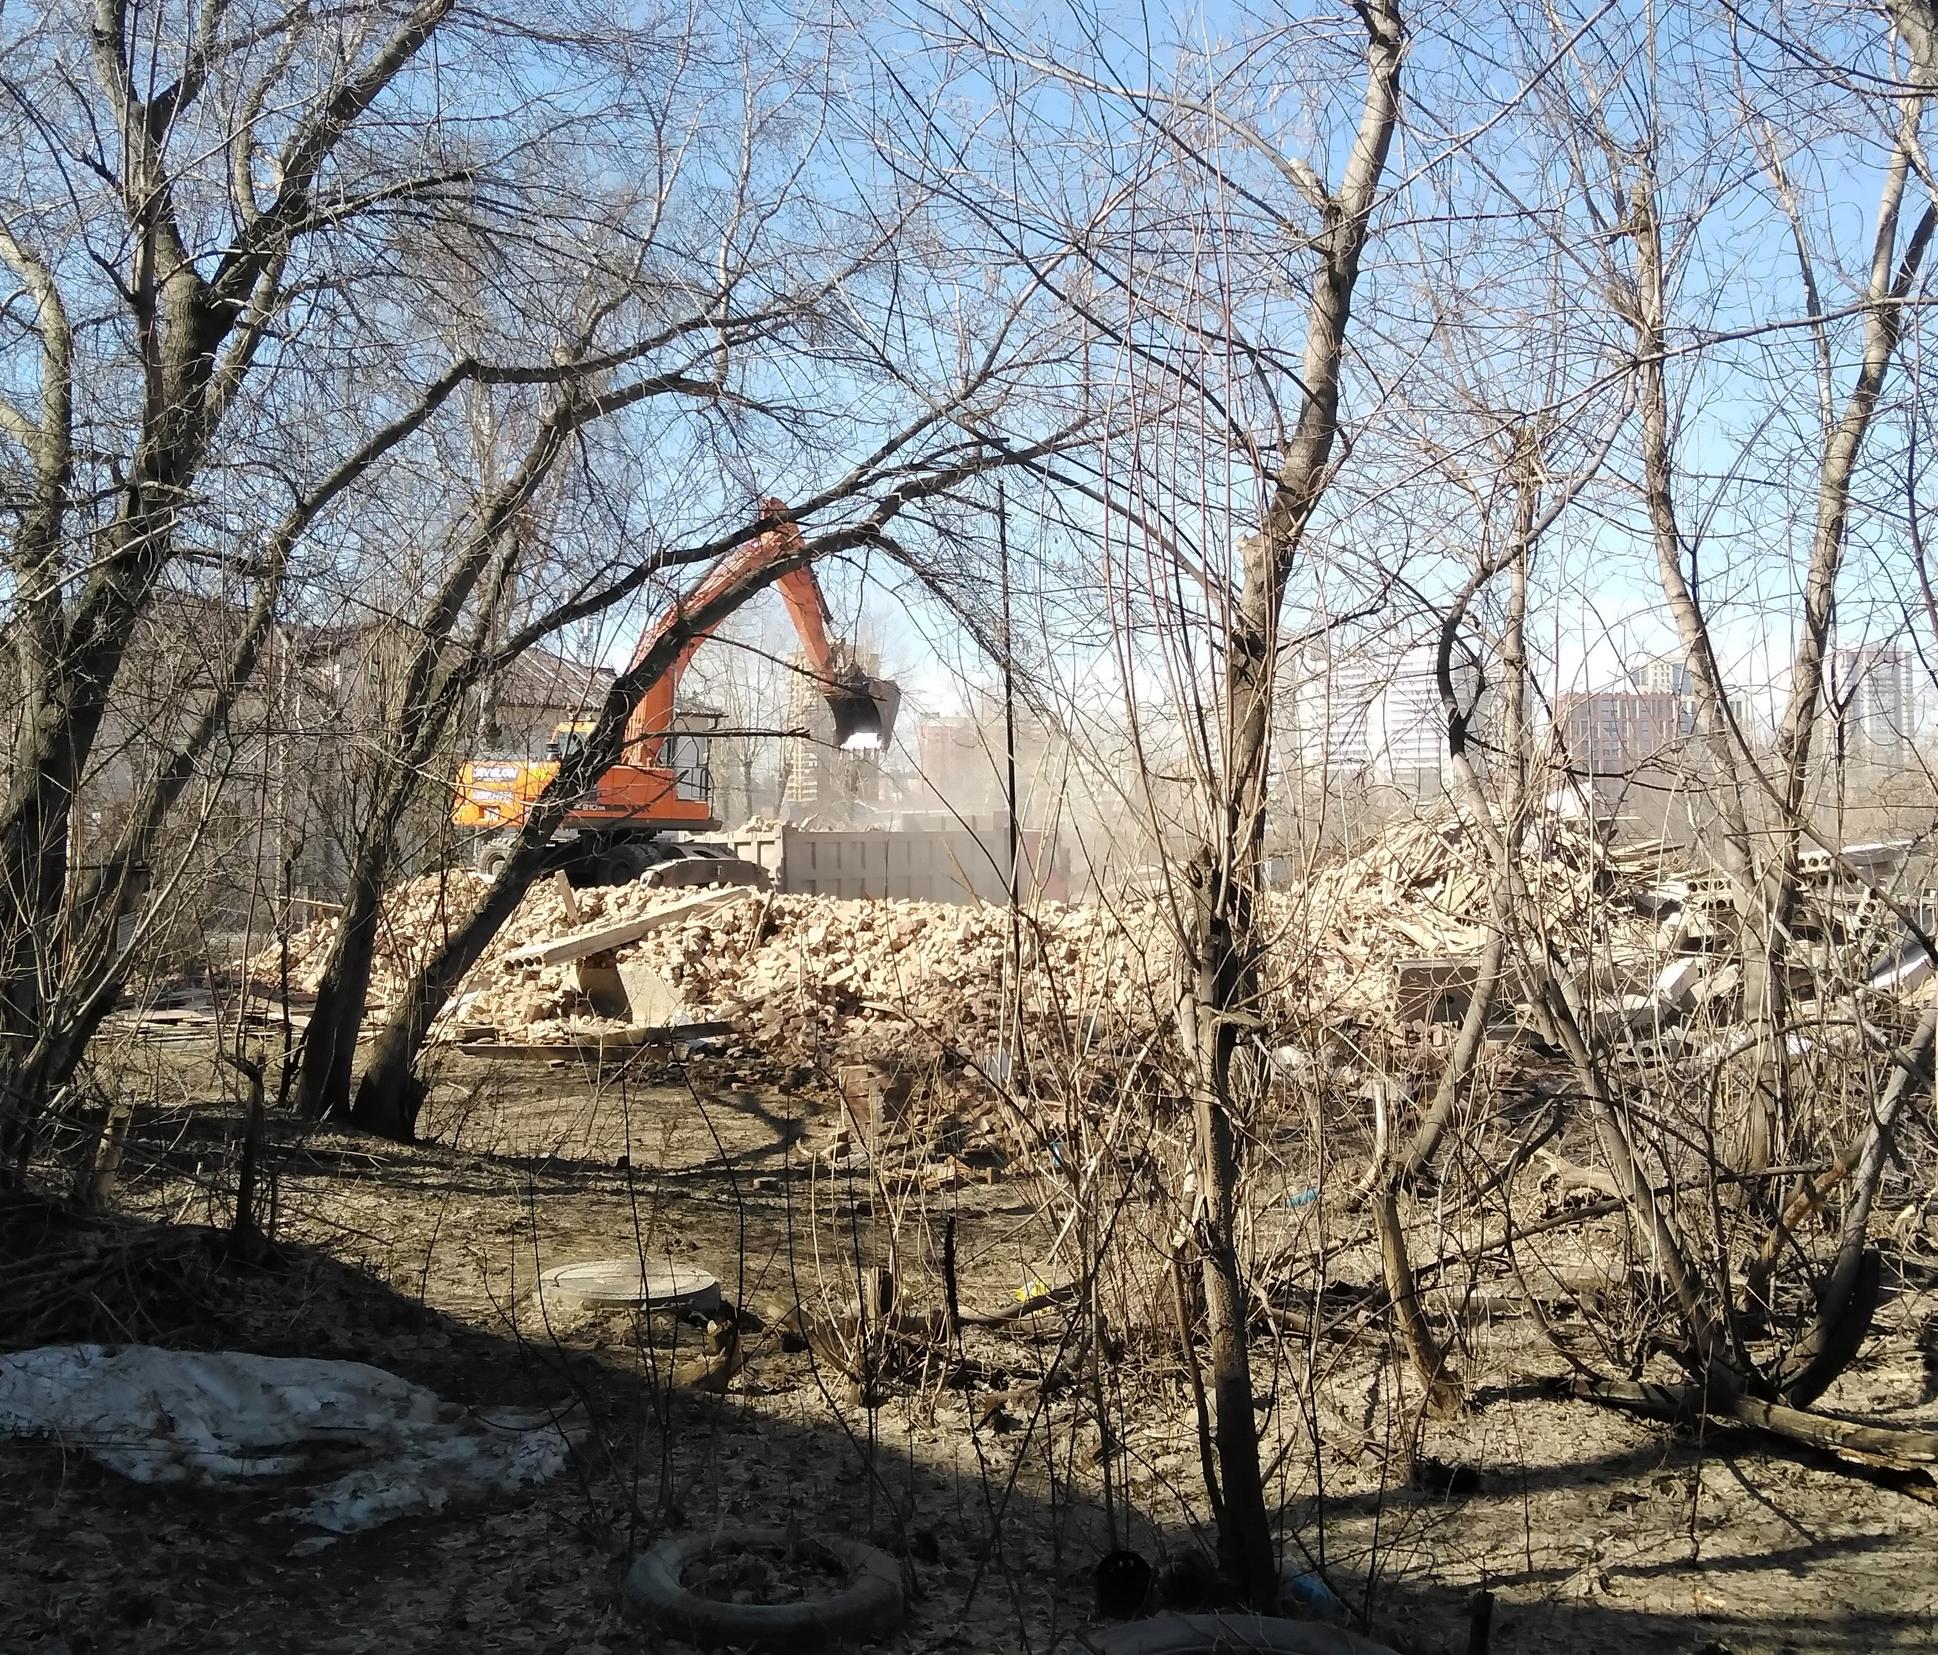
x,y
622,1282
1227,1635
869,1605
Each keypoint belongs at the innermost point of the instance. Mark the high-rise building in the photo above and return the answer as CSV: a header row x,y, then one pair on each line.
x,y
1870,697
1380,716
822,779
1662,675
1616,732
1332,705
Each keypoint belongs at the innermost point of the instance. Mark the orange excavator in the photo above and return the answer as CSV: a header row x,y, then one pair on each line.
x,y
662,784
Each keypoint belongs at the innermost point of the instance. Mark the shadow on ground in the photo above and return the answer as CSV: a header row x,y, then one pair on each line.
x,y
94,1564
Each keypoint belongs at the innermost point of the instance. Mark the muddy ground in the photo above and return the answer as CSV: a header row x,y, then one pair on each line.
x,y
1596,1531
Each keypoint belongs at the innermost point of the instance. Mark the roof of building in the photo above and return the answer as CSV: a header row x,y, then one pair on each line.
x,y
540,679
544,678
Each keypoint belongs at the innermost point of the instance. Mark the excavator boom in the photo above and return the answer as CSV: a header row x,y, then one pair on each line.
x,y
864,708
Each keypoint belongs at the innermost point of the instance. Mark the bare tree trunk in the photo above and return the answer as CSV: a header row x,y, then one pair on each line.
x,y
1844,1305
329,1049
1767,887
1503,848
1737,843
389,1098
1218,959
195,328
1709,1349
1893,274
1757,900
1221,985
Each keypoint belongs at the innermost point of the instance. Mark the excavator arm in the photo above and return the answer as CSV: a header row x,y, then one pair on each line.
x,y
641,795
864,708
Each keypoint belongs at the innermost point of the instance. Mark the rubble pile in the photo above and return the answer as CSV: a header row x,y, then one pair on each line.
x,y
420,913
811,978
1380,937
1420,889
822,979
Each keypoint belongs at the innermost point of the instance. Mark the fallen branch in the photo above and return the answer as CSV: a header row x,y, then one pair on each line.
x,y
1873,1445
1554,1221
1023,1307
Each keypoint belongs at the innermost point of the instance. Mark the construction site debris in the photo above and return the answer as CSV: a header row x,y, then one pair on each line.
x,y
1393,927
1388,935
605,938
633,992
810,979
609,1045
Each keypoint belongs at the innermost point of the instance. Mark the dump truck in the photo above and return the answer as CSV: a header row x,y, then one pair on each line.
x,y
625,826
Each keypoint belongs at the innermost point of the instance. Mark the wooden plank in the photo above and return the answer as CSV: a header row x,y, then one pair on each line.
x,y
579,944
568,898
620,1040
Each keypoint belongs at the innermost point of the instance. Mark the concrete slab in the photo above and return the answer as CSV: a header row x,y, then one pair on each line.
x,y
632,990
602,939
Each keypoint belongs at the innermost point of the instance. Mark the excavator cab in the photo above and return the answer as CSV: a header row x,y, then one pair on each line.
x,y
567,739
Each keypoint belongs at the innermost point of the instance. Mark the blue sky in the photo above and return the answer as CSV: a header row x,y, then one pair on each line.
x,y
1473,149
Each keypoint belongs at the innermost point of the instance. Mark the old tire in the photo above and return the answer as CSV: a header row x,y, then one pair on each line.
x,y
1228,1635
622,863
492,853
869,1606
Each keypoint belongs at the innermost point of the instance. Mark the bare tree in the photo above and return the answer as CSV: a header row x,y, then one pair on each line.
x,y
1641,104
1178,310
176,201
344,350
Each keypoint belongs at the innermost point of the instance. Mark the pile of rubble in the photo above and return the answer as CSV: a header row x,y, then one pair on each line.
x,y
1421,890
823,980
418,915
1375,937
812,979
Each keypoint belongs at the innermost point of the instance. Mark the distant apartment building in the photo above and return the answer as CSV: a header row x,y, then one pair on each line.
x,y
1661,675
820,779
1332,716
1871,700
1380,717
1614,733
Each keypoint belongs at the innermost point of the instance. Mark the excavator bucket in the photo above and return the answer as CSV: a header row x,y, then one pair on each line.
x,y
864,714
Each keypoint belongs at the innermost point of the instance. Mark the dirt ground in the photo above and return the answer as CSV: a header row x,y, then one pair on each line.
x,y
1596,1531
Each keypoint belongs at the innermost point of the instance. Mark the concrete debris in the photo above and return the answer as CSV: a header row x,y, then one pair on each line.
x,y
1388,935
1395,927
811,978
603,939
